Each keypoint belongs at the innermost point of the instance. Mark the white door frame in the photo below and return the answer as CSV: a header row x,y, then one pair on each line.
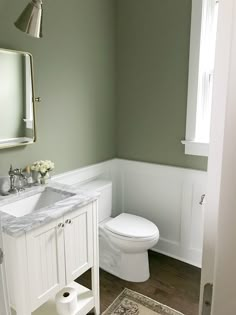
x,y
219,251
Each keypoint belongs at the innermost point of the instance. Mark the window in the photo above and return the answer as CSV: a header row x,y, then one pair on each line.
x,y
201,70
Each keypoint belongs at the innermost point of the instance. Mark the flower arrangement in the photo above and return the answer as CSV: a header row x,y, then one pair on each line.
x,y
43,167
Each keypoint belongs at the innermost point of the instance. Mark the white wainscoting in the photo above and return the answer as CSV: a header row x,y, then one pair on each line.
x,y
81,175
168,196
105,170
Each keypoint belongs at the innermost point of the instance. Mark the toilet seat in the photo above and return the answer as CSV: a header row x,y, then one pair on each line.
x,y
132,227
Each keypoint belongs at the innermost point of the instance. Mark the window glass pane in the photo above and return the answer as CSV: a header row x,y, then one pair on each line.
x,y
206,70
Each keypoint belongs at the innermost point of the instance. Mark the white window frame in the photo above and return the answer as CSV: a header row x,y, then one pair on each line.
x,y
197,114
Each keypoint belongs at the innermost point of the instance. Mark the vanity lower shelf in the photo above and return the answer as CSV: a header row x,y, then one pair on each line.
x,y
85,302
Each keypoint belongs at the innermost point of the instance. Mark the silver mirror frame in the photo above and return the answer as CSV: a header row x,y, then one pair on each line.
x,y
18,144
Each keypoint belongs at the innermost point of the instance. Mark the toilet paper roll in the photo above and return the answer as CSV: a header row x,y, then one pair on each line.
x,y
66,301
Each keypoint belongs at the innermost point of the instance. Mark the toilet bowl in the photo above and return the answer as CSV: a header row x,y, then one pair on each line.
x,y
130,236
124,240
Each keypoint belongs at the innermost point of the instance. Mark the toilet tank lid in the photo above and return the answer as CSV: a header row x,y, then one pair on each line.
x,y
95,185
133,226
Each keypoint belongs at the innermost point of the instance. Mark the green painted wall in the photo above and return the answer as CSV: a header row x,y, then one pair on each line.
x,y
74,75
153,51
112,75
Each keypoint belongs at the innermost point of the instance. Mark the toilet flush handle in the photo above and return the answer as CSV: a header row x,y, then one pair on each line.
x,y
202,199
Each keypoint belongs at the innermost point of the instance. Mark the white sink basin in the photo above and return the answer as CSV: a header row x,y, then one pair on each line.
x,y
35,202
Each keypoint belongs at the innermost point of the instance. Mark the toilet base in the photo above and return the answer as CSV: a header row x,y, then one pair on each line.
x,y
129,266
134,267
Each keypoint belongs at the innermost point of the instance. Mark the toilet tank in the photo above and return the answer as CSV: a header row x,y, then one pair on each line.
x,y
104,188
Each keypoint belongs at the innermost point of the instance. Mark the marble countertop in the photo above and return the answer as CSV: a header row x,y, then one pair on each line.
x,y
17,226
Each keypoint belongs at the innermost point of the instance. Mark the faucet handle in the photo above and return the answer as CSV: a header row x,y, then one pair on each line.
x,y
10,172
17,171
22,174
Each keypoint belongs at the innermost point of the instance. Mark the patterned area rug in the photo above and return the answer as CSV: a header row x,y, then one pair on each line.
x,y
133,303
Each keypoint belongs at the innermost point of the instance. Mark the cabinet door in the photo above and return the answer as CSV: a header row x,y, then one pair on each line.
x,y
78,242
46,262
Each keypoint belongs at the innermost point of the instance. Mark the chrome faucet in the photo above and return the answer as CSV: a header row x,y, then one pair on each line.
x,y
13,174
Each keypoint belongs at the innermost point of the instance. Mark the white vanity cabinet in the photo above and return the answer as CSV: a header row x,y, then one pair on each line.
x,y
46,259
78,235
46,263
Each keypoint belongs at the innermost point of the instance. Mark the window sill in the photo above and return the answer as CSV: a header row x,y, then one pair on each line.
x,y
196,148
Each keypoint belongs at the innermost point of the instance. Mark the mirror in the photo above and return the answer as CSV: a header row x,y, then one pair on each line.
x,y
17,100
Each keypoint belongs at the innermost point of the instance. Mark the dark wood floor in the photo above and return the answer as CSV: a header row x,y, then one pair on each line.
x,y
172,282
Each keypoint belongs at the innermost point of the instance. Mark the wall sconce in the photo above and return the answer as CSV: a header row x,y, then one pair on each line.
x,y
30,20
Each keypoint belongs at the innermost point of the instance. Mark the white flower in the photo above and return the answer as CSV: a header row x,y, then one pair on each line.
x,y
43,169
42,166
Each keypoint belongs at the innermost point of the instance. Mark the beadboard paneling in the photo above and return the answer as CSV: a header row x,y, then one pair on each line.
x,y
168,196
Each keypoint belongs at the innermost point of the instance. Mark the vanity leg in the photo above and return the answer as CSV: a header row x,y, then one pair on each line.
x,y
23,313
95,286
22,304
95,268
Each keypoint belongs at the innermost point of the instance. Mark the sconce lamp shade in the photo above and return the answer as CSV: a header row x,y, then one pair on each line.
x,y
30,20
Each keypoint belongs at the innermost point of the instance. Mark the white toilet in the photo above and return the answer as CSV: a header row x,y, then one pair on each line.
x,y
123,240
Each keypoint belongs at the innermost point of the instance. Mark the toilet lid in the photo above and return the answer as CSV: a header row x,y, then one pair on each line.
x,y
130,225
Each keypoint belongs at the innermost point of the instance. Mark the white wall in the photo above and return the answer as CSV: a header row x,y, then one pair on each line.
x,y
168,196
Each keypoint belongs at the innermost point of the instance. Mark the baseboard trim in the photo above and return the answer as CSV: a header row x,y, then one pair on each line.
x,y
192,263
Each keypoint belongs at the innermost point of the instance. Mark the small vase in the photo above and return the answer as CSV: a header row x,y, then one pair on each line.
x,y
36,177
44,179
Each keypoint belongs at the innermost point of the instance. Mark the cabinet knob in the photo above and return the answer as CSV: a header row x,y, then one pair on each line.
x,y
61,225
68,221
